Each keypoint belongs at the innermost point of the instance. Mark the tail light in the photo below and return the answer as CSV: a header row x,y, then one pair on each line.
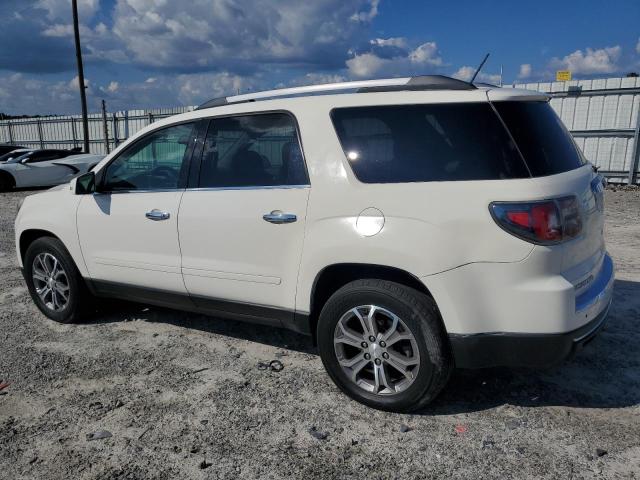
x,y
546,222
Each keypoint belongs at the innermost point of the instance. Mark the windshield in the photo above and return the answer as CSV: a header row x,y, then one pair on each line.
x,y
21,156
12,155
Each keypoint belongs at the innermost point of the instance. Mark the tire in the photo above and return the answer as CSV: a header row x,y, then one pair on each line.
x,y
78,300
6,182
418,317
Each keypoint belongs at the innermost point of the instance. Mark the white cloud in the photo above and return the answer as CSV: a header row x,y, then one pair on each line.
x,y
422,59
317,79
367,16
426,54
366,65
242,35
75,82
399,42
59,30
61,9
195,89
638,46
466,73
591,61
525,71
23,95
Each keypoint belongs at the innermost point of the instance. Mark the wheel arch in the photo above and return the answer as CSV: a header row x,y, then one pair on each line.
x,y
27,237
5,175
335,276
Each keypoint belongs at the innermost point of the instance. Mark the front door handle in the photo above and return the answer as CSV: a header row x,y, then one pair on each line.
x,y
278,216
157,215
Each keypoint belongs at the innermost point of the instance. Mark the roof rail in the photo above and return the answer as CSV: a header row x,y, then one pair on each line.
x,y
421,82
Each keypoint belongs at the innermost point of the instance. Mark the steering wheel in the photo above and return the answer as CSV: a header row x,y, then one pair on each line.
x,y
167,172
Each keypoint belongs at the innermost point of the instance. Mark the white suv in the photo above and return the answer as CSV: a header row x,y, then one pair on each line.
x,y
409,225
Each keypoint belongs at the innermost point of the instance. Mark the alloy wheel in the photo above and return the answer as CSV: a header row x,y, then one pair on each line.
x,y
50,281
376,350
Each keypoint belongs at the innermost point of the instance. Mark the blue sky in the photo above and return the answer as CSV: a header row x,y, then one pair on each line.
x,y
155,53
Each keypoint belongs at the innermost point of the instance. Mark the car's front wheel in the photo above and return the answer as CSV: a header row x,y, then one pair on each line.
x,y
56,286
384,345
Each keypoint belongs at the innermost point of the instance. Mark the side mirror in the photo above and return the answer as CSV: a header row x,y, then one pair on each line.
x,y
24,161
86,183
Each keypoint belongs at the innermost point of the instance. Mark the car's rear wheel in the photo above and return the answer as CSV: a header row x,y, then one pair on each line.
x,y
54,282
384,345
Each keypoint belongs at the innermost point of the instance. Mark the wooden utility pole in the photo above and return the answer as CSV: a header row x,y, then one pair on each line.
x,y
83,96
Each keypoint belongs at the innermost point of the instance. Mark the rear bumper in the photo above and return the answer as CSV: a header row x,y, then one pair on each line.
x,y
523,350
540,349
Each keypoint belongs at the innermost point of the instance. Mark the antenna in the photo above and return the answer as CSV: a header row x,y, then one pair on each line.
x,y
479,68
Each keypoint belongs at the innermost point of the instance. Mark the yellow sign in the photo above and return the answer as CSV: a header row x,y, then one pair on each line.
x,y
563,75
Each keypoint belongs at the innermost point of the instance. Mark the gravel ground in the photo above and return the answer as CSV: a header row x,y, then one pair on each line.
x,y
183,397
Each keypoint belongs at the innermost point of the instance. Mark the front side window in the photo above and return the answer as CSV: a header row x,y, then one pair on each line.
x,y
155,162
425,143
252,151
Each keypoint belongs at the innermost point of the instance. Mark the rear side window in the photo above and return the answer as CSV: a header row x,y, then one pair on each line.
x,y
544,141
252,151
424,143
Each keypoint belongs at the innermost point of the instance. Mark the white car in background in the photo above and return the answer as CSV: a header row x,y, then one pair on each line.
x,y
44,168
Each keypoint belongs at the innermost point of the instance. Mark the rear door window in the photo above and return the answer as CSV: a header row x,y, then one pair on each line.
x,y
425,143
252,151
544,141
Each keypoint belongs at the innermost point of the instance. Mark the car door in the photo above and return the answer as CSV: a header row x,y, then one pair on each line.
x,y
242,228
128,228
40,169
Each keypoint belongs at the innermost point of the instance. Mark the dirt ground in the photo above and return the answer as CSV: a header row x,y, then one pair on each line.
x,y
183,397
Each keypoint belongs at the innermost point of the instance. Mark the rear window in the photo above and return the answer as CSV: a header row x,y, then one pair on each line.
x,y
423,143
544,141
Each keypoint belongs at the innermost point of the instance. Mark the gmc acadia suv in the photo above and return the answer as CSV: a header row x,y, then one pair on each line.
x,y
409,225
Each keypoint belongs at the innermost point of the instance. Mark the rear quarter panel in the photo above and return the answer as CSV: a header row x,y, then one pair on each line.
x,y
429,228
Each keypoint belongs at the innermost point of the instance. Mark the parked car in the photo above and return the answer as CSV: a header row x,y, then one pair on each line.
x,y
6,148
14,154
409,225
43,168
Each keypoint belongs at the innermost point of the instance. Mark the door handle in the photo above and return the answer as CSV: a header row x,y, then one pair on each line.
x,y
157,215
278,216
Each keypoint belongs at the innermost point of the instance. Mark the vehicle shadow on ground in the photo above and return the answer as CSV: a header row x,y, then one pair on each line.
x,y
606,374
116,311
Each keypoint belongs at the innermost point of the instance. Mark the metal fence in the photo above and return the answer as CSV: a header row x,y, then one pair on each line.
x,y
66,131
601,114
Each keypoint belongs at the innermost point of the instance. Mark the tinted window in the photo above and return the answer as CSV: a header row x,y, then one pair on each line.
x,y
156,162
544,141
45,155
422,143
252,150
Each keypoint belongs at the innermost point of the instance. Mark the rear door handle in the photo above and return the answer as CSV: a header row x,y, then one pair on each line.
x,y
157,215
278,216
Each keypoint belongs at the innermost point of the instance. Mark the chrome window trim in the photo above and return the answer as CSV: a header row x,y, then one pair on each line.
x,y
117,192
208,189
259,187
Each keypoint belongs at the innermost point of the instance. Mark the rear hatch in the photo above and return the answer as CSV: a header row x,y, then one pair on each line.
x,y
549,151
